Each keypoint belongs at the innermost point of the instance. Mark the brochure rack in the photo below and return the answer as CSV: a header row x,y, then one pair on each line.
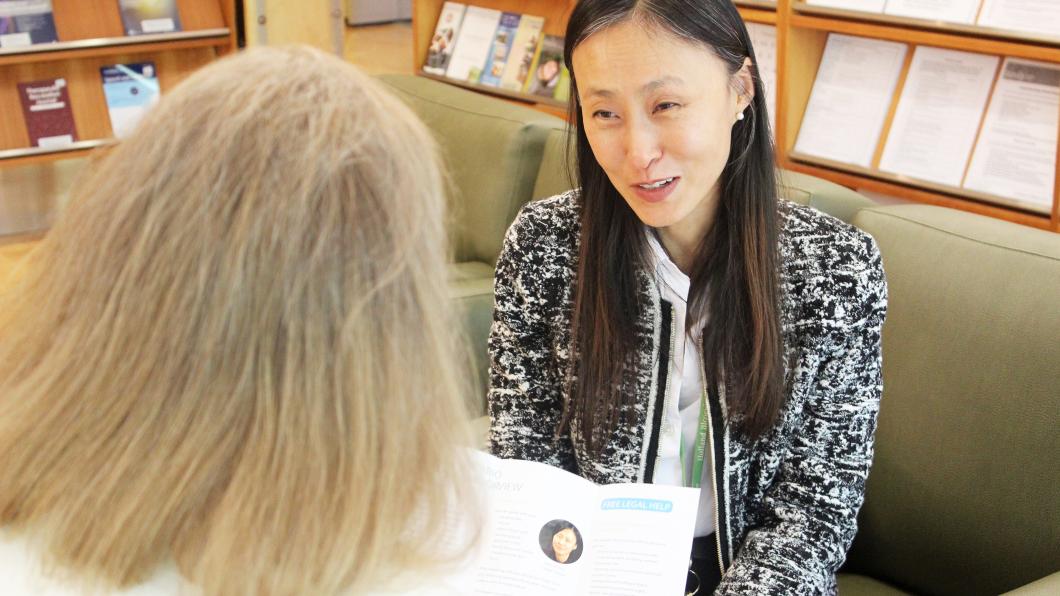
x,y
91,36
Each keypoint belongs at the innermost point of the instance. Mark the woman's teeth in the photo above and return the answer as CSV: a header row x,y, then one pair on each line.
x,y
655,185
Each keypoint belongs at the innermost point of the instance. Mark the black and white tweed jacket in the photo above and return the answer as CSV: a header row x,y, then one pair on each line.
x,y
786,503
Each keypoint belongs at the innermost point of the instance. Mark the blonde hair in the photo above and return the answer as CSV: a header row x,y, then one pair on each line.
x,y
234,349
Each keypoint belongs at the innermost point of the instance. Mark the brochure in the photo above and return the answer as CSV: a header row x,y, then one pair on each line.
x,y
473,44
547,68
142,17
502,46
551,532
444,38
46,109
26,22
524,47
130,89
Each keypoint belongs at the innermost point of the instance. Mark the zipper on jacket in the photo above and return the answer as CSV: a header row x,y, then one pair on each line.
x,y
708,402
669,363
663,385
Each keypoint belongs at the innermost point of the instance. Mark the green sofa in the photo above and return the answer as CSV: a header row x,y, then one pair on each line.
x,y
964,497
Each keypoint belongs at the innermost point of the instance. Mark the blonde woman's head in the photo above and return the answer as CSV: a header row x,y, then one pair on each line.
x,y
234,349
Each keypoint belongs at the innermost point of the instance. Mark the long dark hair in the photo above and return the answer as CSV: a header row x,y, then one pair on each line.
x,y
734,273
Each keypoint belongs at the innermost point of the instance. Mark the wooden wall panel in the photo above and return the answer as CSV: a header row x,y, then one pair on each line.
x,y
87,19
196,14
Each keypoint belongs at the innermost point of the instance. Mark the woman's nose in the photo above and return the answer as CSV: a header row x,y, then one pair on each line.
x,y
642,145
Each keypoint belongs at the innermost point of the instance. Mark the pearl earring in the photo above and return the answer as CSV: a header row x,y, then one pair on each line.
x,y
739,116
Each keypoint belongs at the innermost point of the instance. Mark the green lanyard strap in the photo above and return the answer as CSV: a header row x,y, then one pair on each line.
x,y
700,452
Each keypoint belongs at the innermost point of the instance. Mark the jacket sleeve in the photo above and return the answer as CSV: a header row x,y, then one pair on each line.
x,y
811,509
525,394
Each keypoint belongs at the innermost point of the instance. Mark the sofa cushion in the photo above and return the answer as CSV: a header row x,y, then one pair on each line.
x,y
492,150
471,287
557,175
962,498
858,585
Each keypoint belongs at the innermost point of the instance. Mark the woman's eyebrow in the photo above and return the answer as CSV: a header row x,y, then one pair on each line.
x,y
645,89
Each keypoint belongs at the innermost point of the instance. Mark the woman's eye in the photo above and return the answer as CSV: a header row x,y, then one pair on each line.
x,y
603,114
666,105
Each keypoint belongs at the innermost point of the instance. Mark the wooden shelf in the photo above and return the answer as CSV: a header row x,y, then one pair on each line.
x,y
766,4
950,40
1044,211
110,46
758,15
92,36
802,8
33,154
544,103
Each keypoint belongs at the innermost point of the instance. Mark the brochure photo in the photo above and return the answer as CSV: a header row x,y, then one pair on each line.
x,y
444,37
552,532
26,22
130,89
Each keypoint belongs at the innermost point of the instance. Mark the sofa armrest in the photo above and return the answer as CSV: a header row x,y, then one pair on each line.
x,y
829,197
1047,586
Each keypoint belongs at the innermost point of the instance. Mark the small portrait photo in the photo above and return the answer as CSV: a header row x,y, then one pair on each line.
x,y
561,541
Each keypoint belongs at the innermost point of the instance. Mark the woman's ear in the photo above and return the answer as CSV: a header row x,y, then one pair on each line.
x,y
743,81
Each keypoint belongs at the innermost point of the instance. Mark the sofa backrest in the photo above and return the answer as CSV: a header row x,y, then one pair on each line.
x,y
492,149
964,495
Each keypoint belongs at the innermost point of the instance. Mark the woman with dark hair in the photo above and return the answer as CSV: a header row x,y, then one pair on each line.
x,y
561,541
672,321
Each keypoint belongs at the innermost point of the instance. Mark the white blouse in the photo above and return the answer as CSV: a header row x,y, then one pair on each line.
x,y
681,414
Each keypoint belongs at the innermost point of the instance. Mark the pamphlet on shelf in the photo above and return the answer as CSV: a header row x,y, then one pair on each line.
x,y
144,17
953,11
1032,16
547,68
850,99
502,46
551,532
130,90
524,46
859,5
939,114
562,92
26,22
473,44
1015,156
46,109
764,41
444,38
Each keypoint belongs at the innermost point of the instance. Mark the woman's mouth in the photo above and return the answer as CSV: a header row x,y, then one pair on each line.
x,y
655,191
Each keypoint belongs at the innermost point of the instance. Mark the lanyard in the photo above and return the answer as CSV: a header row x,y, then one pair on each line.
x,y
699,453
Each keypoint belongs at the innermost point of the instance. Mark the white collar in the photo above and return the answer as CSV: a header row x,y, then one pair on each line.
x,y
665,268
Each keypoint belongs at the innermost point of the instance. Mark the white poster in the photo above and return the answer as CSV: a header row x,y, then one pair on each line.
x,y
850,99
862,5
938,115
953,11
1016,153
1033,16
764,40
